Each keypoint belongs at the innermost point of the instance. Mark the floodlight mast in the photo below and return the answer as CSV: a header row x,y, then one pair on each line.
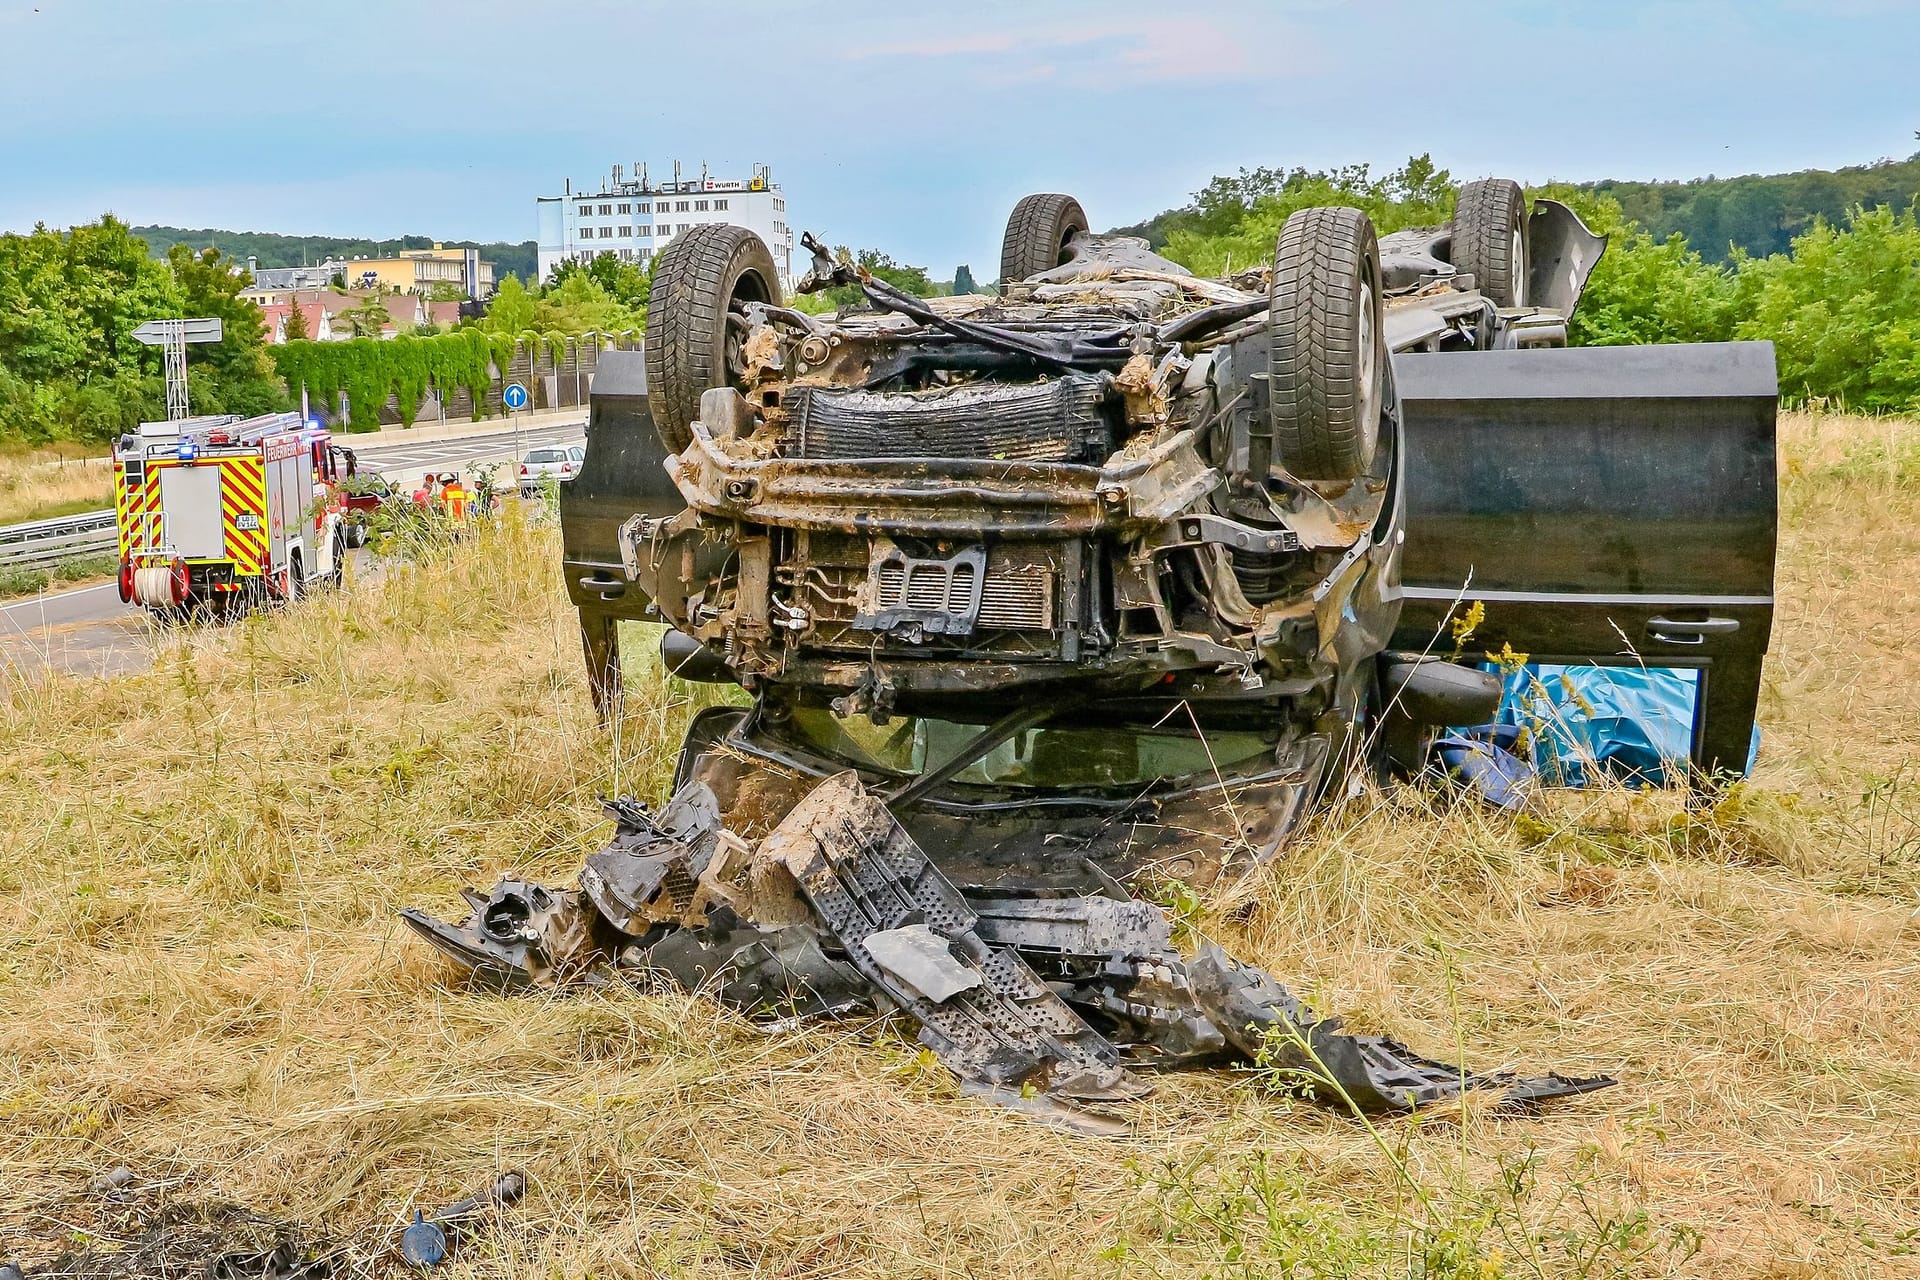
x,y
172,337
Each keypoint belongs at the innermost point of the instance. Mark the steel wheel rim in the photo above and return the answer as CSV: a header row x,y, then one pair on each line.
x,y
1368,362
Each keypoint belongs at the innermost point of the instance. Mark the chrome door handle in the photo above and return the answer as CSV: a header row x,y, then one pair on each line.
x,y
1690,630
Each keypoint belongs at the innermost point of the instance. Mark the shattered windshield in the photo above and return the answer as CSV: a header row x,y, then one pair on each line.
x,y
1064,757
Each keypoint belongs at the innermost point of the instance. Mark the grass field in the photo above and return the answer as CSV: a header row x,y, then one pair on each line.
x,y
201,976
41,486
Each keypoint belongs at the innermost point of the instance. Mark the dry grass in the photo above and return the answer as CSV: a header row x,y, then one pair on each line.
x,y
40,486
201,976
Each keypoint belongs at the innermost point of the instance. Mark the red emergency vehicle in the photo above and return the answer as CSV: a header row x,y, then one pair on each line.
x,y
224,509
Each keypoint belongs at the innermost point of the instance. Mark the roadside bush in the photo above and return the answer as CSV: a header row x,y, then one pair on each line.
x,y
1235,222
1646,290
1843,311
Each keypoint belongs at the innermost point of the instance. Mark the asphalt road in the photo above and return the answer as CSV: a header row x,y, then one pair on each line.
x,y
89,631
400,461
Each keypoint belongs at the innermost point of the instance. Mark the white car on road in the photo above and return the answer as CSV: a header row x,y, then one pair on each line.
x,y
558,462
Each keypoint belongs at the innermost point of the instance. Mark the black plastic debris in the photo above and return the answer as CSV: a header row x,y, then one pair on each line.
x,y
284,1261
521,934
1048,1000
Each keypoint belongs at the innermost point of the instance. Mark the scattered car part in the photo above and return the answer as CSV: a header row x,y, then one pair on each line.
x,y
520,935
118,1178
986,1014
285,1261
425,1241
1019,992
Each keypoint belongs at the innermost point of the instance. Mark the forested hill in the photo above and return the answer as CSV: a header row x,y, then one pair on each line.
x,y
273,250
1759,213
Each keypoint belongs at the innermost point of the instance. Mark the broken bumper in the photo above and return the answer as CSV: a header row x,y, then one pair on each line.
x,y
1055,1000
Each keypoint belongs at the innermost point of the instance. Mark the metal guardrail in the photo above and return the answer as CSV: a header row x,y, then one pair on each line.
x,y
48,542
43,542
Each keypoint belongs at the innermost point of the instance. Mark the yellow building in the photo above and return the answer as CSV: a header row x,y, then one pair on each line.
x,y
418,271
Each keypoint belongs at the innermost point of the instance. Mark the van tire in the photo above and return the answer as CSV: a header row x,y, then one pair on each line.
x,y
1326,345
1040,231
707,273
1490,239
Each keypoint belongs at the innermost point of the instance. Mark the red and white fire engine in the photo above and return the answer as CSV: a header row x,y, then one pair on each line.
x,y
224,509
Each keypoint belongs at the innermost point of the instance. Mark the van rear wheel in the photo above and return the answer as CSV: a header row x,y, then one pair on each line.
x,y
695,329
1490,239
1039,235
1326,345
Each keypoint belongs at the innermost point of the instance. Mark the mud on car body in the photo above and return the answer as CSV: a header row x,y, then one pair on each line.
x,y
1118,481
1050,599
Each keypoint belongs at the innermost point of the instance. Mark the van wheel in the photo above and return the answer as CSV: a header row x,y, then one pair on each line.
x,y
694,331
339,575
1490,239
1327,348
296,580
1039,236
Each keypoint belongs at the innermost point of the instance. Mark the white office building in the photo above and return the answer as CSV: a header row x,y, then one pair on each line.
x,y
636,217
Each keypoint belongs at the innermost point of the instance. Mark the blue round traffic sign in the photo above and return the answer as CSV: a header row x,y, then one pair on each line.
x,y
514,397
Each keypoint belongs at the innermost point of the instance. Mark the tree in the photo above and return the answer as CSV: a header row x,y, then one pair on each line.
x,y
210,285
296,330
1234,223
1843,310
581,304
69,302
1645,290
512,310
911,280
963,280
368,319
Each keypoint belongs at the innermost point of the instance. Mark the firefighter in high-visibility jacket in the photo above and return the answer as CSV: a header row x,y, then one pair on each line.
x,y
454,495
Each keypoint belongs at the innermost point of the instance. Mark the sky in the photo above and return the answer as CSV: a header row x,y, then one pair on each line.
x,y
909,127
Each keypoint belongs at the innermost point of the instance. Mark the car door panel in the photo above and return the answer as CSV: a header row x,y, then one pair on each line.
x,y
1605,504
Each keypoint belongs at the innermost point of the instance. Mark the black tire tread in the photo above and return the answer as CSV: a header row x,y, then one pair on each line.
x,y
1035,230
1484,220
1323,256
687,316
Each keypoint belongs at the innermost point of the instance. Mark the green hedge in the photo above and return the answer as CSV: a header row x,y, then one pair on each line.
x,y
370,370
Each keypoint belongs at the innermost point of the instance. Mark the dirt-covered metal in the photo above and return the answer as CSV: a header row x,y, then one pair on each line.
x,y
1064,994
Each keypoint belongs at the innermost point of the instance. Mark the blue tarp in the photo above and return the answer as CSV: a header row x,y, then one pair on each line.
x,y
1631,723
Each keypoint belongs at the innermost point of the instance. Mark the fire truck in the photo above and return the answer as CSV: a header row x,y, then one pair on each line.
x,y
224,510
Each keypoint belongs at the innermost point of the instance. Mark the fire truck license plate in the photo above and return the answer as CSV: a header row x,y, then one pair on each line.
x,y
246,520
